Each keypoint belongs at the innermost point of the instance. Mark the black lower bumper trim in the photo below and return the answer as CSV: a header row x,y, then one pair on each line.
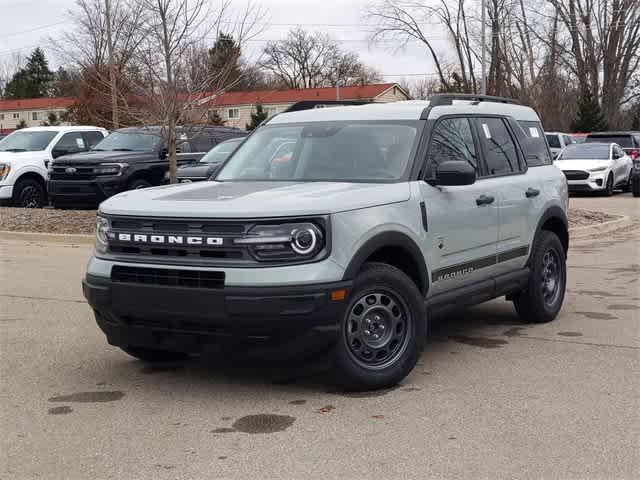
x,y
286,320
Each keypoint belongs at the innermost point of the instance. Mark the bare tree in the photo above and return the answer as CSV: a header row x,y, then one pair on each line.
x,y
306,60
403,21
8,67
173,31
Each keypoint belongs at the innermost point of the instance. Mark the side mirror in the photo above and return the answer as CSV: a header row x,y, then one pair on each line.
x,y
163,153
455,172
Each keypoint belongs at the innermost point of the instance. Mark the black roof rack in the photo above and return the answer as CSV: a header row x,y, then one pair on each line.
x,y
442,99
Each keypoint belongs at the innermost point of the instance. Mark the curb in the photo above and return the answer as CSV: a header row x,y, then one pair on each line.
x,y
599,228
68,238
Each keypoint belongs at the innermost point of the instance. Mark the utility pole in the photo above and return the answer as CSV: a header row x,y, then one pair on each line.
x,y
112,68
338,89
483,81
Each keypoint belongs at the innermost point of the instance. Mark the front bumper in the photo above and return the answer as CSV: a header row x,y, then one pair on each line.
x,y
287,321
85,191
6,192
595,182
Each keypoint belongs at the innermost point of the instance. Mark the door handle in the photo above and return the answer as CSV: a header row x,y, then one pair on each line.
x,y
484,200
532,192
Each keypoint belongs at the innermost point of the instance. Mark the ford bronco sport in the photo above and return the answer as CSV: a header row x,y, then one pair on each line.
x,y
384,215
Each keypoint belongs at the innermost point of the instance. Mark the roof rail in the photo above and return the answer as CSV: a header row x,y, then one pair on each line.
x,y
442,99
310,104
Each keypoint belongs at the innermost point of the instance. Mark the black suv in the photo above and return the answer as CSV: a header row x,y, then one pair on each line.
x,y
128,159
630,143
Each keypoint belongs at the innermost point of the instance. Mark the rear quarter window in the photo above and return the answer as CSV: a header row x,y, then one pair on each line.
x,y
532,139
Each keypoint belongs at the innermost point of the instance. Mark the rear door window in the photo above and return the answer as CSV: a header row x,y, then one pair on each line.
x,y
500,150
554,141
93,138
534,145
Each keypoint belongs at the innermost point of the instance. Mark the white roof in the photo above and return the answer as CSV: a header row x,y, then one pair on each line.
x,y
59,128
405,110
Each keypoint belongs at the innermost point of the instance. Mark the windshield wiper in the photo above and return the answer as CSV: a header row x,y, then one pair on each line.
x,y
14,150
97,149
122,149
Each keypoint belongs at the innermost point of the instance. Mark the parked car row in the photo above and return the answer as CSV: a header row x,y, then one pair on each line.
x,y
602,162
81,166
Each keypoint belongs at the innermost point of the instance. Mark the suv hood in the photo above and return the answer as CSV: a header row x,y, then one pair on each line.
x,y
580,164
97,156
253,199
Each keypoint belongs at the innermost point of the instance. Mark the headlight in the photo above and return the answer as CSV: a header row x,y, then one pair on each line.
x,y
290,241
103,231
599,169
110,168
5,168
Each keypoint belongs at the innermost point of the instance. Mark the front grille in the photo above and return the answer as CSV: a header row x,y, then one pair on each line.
x,y
83,171
167,277
576,174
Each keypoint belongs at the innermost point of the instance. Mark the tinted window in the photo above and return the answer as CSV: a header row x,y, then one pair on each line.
x,y
623,140
372,151
500,150
71,142
451,140
129,141
93,138
586,151
554,141
567,140
533,143
183,147
27,141
202,143
618,151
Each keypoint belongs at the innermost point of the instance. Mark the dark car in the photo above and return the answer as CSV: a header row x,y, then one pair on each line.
x,y
208,164
129,158
630,143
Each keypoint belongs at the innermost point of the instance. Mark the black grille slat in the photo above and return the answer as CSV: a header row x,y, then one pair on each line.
x,y
576,174
168,277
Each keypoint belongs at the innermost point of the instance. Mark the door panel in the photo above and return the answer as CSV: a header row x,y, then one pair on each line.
x,y
464,234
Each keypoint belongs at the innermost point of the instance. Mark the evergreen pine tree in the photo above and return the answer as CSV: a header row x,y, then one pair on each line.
x,y
589,117
257,118
31,81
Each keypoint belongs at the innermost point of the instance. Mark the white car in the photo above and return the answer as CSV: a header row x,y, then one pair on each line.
x,y
557,141
25,154
595,167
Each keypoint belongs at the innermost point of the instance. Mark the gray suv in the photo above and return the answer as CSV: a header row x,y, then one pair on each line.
x,y
378,218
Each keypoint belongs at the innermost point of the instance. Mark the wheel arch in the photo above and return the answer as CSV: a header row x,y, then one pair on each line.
x,y
555,220
395,249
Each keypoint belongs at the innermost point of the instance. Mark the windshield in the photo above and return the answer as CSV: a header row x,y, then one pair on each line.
x,y
220,152
553,140
585,151
360,152
27,141
623,140
135,141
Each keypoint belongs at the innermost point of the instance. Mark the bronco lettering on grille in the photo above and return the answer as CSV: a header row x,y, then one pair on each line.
x,y
169,239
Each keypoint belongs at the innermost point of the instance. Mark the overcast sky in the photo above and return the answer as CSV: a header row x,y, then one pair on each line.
x,y
26,24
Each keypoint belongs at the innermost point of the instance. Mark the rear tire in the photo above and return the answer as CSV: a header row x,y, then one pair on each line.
x,y
154,356
541,300
628,186
383,330
29,193
635,185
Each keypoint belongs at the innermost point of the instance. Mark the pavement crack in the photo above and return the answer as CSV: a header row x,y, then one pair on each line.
x,y
591,344
27,297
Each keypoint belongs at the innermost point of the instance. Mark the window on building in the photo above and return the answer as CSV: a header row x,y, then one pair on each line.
x,y
34,115
233,113
1,116
16,115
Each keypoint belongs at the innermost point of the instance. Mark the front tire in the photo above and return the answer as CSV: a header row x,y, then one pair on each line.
x,y
541,300
139,184
383,330
154,356
608,188
29,193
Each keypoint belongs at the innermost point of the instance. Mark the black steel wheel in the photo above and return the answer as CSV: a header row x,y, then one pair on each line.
x,y
542,299
383,330
377,328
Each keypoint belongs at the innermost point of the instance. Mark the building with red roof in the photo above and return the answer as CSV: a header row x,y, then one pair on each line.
x,y
34,111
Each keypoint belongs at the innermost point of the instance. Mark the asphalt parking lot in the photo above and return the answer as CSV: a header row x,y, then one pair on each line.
x,y
491,397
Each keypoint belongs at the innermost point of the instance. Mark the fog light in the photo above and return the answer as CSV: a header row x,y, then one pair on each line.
x,y
599,182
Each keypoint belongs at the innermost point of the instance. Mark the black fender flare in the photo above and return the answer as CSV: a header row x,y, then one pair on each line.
x,y
552,212
388,239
